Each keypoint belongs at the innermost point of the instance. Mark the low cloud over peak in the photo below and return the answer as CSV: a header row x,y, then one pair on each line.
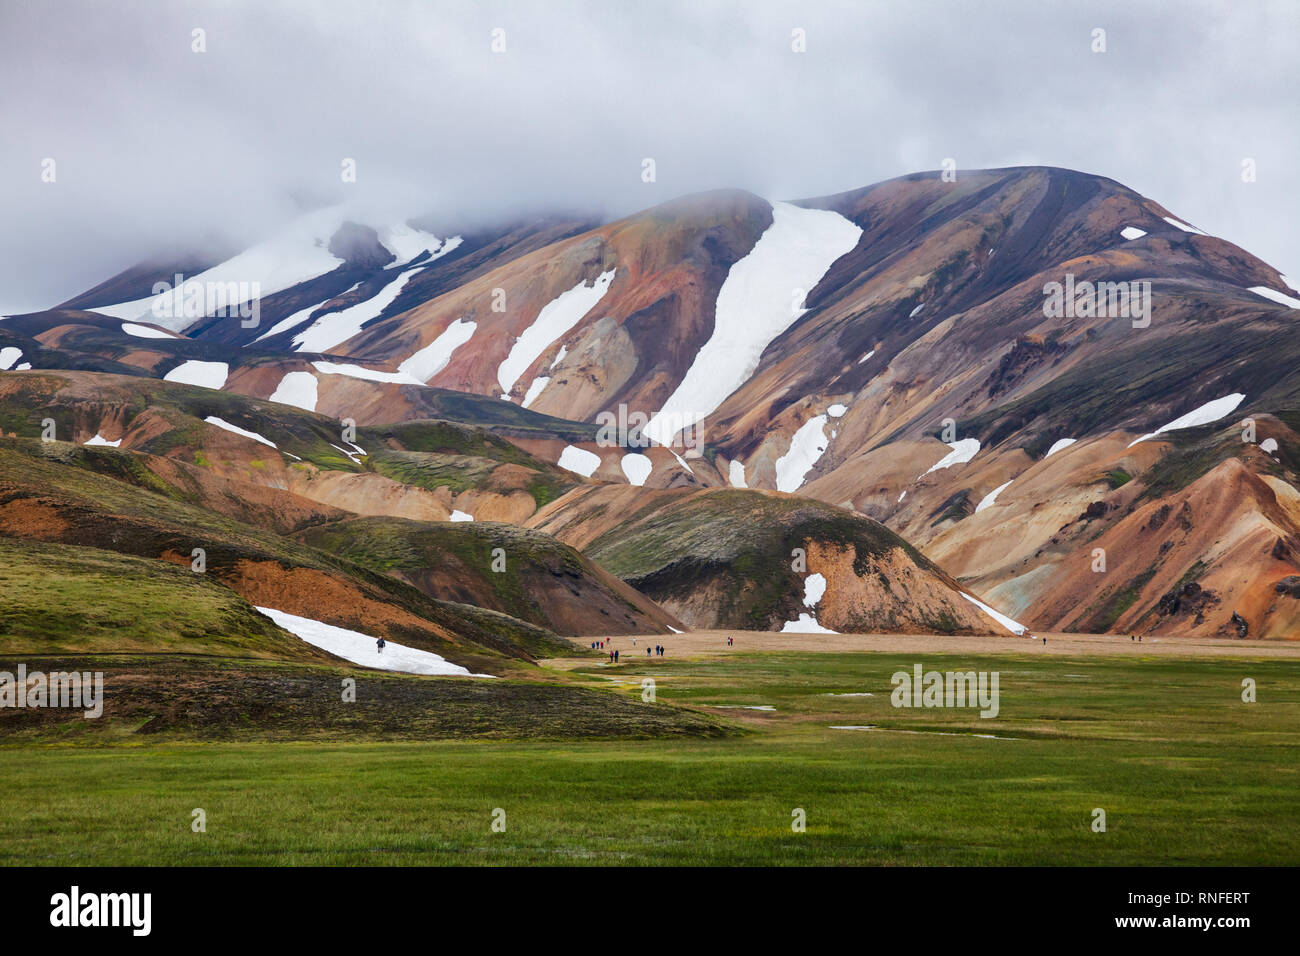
x,y
159,147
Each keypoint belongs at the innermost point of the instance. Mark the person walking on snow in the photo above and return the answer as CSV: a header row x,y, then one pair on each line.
x,y
380,645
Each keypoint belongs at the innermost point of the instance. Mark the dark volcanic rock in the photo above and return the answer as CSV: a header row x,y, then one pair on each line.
x,y
1289,586
1240,624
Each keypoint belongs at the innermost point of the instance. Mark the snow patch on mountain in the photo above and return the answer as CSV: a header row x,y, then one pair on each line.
x,y
681,461
1132,232
736,474
101,440
361,648
194,372
406,242
1279,297
461,515
1183,226
332,328
556,318
637,467
297,253
1204,415
535,389
369,374
434,357
351,457
297,389
867,356
807,446
147,332
299,317
963,450
1013,626
753,308
579,460
8,356
814,589
807,624
222,423
991,497
1058,445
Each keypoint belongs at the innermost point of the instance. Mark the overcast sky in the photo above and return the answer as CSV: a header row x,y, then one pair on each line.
x,y
158,147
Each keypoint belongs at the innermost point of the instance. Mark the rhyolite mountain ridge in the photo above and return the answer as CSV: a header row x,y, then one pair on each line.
x,y
870,380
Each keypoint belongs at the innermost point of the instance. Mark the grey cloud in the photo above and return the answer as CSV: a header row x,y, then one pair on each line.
x,y
159,148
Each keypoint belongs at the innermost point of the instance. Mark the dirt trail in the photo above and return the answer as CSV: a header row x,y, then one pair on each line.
x,y
714,644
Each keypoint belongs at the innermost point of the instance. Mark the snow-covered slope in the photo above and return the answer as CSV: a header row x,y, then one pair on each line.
x,y
761,298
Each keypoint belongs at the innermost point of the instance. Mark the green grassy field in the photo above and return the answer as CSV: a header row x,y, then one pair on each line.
x,y
1186,772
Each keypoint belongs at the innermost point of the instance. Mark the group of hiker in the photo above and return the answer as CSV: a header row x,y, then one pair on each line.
x,y
658,650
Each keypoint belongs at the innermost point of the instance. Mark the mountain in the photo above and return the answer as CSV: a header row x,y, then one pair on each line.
x,y
730,558
925,358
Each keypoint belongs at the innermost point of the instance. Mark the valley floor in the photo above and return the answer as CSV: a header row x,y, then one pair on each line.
x,y
1157,736
714,643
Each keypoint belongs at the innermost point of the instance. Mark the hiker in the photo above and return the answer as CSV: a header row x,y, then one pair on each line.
x,y
615,655
634,642
1131,638
647,652
380,644
1044,640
